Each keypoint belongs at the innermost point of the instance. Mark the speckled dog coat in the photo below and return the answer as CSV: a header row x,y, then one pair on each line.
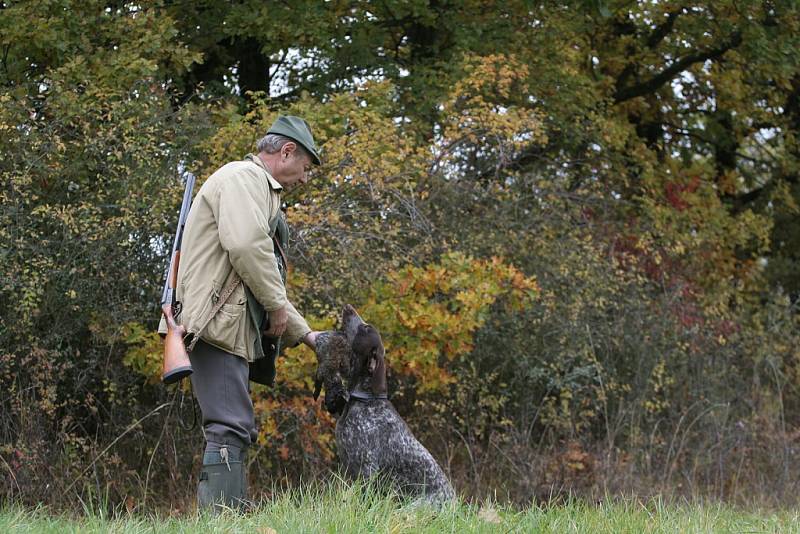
x,y
371,438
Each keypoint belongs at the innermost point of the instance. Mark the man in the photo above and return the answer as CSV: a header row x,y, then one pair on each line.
x,y
228,253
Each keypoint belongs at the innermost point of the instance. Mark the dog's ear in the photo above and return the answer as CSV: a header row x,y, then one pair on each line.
x,y
355,368
378,379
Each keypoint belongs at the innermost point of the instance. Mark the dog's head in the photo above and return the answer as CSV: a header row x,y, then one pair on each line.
x,y
368,357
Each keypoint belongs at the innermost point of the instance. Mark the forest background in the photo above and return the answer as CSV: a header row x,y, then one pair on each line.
x,y
575,224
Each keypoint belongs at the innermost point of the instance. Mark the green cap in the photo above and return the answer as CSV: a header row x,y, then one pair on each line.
x,y
297,130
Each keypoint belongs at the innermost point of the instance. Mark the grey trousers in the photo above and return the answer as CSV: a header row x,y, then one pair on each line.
x,y
220,383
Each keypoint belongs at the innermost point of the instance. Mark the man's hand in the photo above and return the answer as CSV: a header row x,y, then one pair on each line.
x,y
277,322
310,339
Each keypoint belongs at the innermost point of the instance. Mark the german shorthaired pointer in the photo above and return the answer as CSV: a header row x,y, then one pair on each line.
x,y
371,438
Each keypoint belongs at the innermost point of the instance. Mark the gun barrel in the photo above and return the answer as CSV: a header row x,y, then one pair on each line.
x,y
168,295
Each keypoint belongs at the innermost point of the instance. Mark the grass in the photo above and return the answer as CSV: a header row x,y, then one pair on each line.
x,y
340,507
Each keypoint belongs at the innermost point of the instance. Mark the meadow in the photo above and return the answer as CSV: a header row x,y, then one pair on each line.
x,y
342,507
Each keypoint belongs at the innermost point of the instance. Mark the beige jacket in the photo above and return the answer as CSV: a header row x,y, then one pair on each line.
x,y
228,229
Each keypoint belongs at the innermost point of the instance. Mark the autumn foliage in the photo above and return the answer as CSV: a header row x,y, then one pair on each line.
x,y
574,225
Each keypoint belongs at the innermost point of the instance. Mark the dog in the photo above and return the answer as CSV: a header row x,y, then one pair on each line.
x,y
371,438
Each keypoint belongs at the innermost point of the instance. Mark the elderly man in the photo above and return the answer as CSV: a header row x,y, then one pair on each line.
x,y
232,251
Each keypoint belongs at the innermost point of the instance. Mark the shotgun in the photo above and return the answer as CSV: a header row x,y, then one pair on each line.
x,y
176,359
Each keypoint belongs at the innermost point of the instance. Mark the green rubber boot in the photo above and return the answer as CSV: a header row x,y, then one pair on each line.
x,y
223,481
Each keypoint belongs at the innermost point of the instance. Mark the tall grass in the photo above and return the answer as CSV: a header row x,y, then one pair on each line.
x,y
340,507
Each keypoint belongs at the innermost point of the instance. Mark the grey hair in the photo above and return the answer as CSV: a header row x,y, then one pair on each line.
x,y
272,144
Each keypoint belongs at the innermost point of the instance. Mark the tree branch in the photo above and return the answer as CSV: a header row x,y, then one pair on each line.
x,y
663,29
654,83
742,201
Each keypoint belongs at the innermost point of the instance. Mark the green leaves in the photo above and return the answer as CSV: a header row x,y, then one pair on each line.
x,y
90,147
637,161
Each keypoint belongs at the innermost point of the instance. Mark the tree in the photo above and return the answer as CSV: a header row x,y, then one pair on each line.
x,y
637,160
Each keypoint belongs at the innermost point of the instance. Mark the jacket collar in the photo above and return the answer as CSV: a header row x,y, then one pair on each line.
x,y
272,181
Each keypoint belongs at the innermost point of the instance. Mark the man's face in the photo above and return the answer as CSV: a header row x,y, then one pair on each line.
x,y
293,167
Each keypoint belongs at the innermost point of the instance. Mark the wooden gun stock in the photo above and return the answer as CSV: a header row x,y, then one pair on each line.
x,y
176,359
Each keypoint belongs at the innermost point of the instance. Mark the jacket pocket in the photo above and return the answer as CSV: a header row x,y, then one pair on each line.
x,y
223,330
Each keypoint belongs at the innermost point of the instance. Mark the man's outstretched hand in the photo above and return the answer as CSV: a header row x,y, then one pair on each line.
x,y
310,339
277,326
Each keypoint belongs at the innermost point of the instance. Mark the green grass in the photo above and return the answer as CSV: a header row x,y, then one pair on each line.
x,y
343,508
